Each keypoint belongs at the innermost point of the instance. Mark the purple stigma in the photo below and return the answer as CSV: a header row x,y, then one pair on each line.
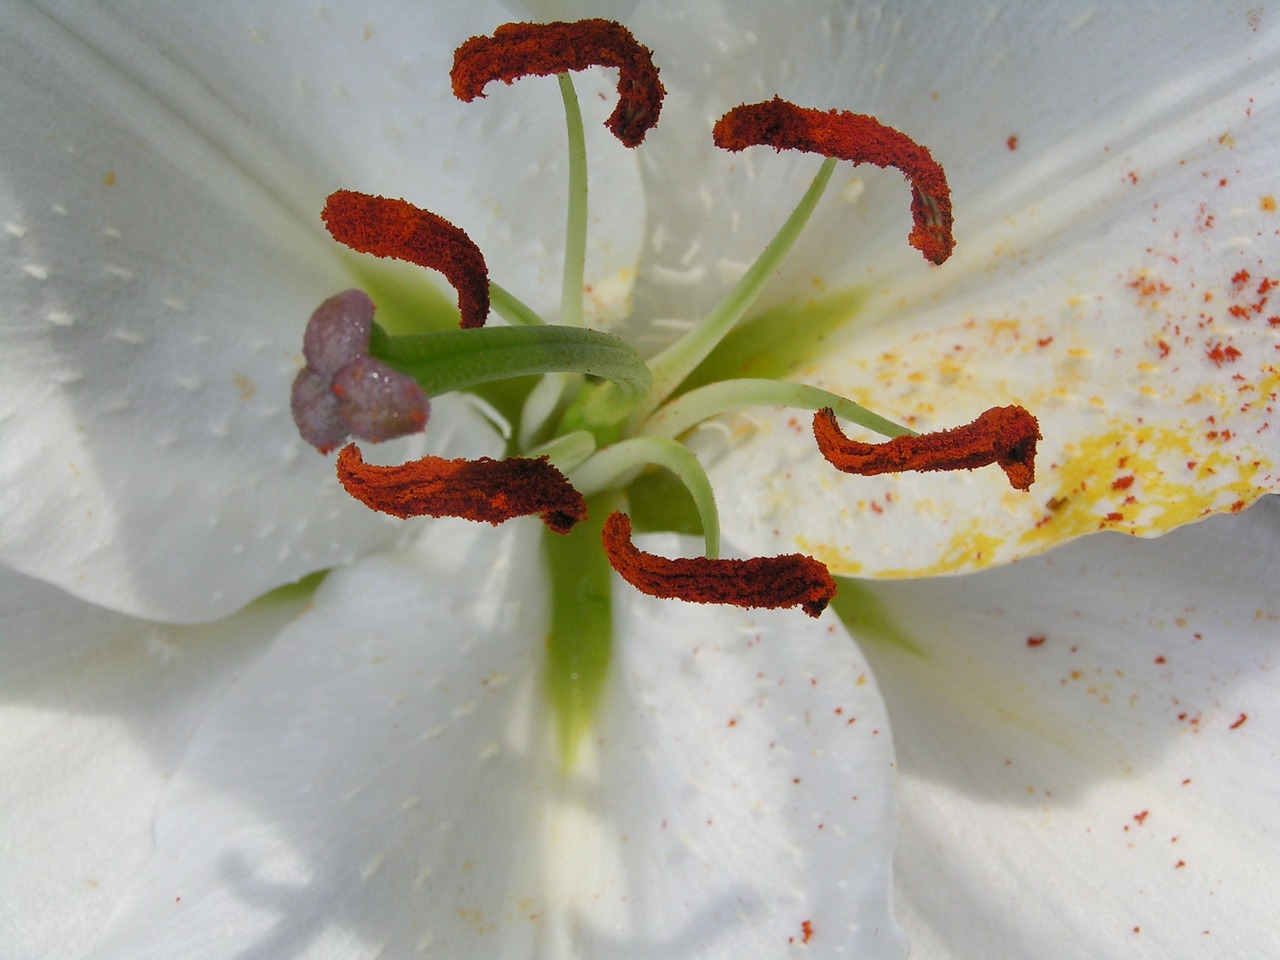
x,y
378,403
338,332
342,390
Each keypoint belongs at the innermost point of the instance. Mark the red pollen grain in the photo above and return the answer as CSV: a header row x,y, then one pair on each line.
x,y
541,49
401,231
490,490
1035,641
1002,435
1240,720
793,580
857,138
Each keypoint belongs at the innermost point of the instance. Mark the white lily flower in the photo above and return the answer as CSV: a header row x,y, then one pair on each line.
x,y
370,768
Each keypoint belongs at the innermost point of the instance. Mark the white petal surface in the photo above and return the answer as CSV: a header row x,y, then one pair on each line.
x,y
1088,744
382,783
162,169
1113,274
96,711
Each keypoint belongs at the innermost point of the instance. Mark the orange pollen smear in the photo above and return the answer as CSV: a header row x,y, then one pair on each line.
x,y
793,580
484,489
541,49
1003,435
860,139
401,231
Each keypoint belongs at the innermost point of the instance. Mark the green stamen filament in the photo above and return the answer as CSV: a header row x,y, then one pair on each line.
x,y
617,465
575,241
692,408
676,362
566,452
511,308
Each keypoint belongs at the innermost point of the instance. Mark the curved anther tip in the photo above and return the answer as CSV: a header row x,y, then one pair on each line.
x,y
793,580
1005,436
857,138
492,491
399,230
540,49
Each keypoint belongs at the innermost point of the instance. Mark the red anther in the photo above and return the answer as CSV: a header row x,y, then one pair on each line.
x,y
1003,435
540,49
490,490
793,580
397,229
859,139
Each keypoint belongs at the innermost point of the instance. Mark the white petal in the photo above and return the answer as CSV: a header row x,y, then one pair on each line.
x,y
161,175
362,100
96,711
383,782
1119,288
1110,791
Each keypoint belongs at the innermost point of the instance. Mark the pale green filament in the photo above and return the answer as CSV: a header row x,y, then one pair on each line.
x,y
566,452
554,391
546,402
617,465
676,362
511,308
692,408
575,240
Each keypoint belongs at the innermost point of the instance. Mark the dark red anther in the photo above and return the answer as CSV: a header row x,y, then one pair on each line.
x,y
1002,435
859,139
541,49
401,231
490,490
793,580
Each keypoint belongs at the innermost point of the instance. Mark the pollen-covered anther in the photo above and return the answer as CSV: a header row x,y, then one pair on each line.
x,y
857,138
401,231
541,49
793,580
1002,435
490,490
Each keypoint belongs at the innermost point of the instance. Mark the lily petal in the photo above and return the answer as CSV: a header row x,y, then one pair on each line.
x,y
96,711
1088,748
161,177
1114,278
385,779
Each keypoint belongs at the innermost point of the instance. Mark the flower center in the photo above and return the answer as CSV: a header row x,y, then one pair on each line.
x,y
601,416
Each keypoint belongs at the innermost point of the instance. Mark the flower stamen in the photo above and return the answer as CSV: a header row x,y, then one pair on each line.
x,y
857,138
541,49
761,582
490,490
401,231
1002,435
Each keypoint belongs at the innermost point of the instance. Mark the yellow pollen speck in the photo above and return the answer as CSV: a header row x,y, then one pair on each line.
x,y
1268,203
969,548
244,386
837,558
1137,479
109,179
